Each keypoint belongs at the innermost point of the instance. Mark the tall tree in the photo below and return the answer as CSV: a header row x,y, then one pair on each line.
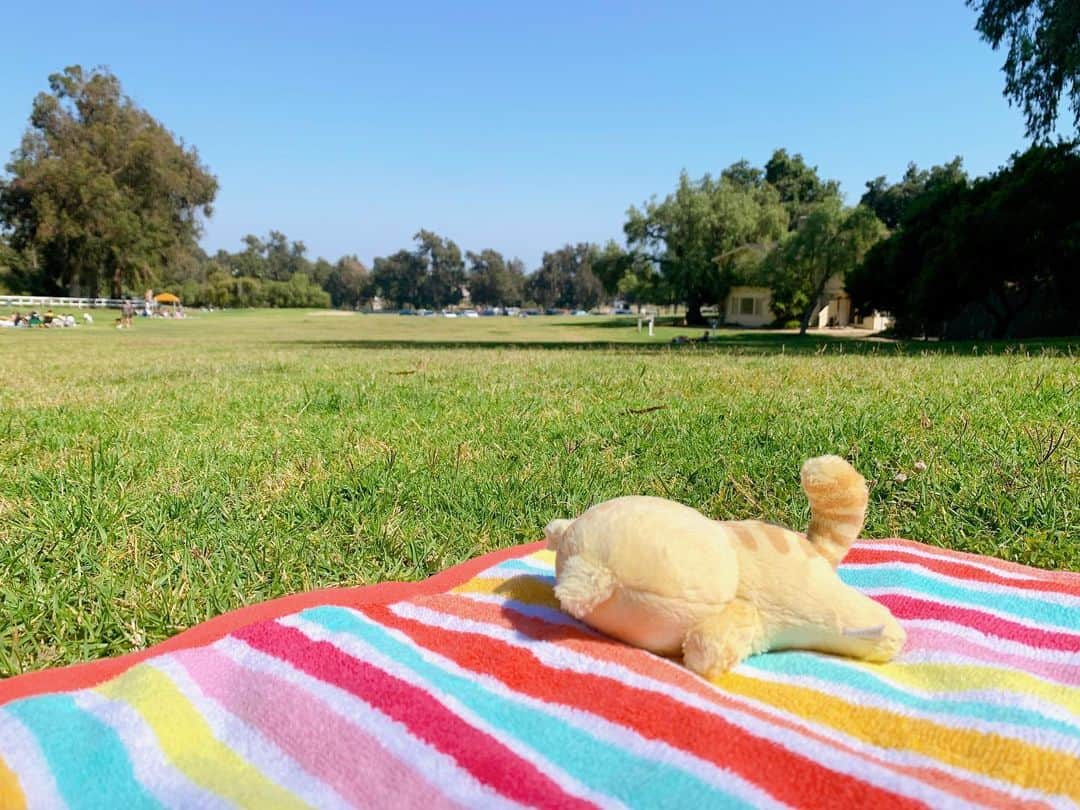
x,y
274,258
101,191
630,275
889,202
493,281
1043,61
698,235
799,186
566,279
995,257
349,283
829,241
400,278
445,269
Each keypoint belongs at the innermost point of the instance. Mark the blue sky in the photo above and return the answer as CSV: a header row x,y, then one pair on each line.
x,y
518,126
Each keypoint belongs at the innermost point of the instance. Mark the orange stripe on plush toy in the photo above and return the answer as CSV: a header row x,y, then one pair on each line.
x,y
1026,765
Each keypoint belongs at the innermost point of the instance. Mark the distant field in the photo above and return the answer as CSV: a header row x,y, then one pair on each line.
x,y
152,478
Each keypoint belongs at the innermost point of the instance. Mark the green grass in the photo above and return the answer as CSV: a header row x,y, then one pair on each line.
x,y
153,478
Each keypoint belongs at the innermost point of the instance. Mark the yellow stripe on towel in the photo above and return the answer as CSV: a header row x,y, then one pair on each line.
x,y
188,742
957,678
523,588
1021,763
11,795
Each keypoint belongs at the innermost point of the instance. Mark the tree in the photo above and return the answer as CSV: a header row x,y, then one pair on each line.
x,y
272,259
699,235
798,185
995,257
743,174
445,269
610,264
349,283
565,278
400,278
100,190
493,281
1043,61
829,241
890,202
630,275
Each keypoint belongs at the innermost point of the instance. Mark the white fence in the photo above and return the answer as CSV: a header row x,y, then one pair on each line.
x,y
64,301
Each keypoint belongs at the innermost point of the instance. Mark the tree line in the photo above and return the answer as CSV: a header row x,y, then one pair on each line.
x,y
100,199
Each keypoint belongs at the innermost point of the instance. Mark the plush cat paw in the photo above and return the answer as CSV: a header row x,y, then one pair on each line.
x,y
720,642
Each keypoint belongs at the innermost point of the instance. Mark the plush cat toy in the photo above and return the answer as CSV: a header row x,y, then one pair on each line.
x,y
662,576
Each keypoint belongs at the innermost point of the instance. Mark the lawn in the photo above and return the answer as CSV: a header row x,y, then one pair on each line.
x,y
155,477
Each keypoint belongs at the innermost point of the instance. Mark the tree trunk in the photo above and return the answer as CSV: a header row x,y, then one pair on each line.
x,y
808,313
693,312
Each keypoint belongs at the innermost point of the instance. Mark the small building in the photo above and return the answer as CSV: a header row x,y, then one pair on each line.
x,y
751,307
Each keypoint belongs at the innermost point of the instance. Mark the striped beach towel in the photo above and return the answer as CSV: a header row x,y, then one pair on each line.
x,y
473,690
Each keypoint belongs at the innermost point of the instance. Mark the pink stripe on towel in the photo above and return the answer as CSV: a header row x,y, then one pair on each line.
x,y
323,743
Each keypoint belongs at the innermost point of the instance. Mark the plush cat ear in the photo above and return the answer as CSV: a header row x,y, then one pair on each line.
x,y
553,532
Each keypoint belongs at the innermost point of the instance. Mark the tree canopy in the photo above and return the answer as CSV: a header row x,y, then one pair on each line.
x,y
830,241
101,195
493,281
699,234
889,202
993,257
1043,60
566,279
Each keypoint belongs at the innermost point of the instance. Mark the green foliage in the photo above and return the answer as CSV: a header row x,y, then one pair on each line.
x,y
399,278
830,241
272,259
349,283
996,257
565,278
157,477
101,191
444,280
799,186
890,202
493,281
700,235
433,275
1043,62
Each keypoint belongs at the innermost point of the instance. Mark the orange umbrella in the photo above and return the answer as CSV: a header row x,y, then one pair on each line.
x,y
166,298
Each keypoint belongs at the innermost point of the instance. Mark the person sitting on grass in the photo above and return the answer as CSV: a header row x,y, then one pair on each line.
x,y
35,319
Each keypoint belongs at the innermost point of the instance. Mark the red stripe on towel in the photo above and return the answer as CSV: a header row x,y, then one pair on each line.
x,y
910,607
790,777
961,571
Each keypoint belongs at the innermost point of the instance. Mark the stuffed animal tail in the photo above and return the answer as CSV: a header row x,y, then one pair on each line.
x,y
838,497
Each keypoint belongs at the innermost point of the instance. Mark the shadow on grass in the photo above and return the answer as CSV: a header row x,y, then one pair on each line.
x,y
746,343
